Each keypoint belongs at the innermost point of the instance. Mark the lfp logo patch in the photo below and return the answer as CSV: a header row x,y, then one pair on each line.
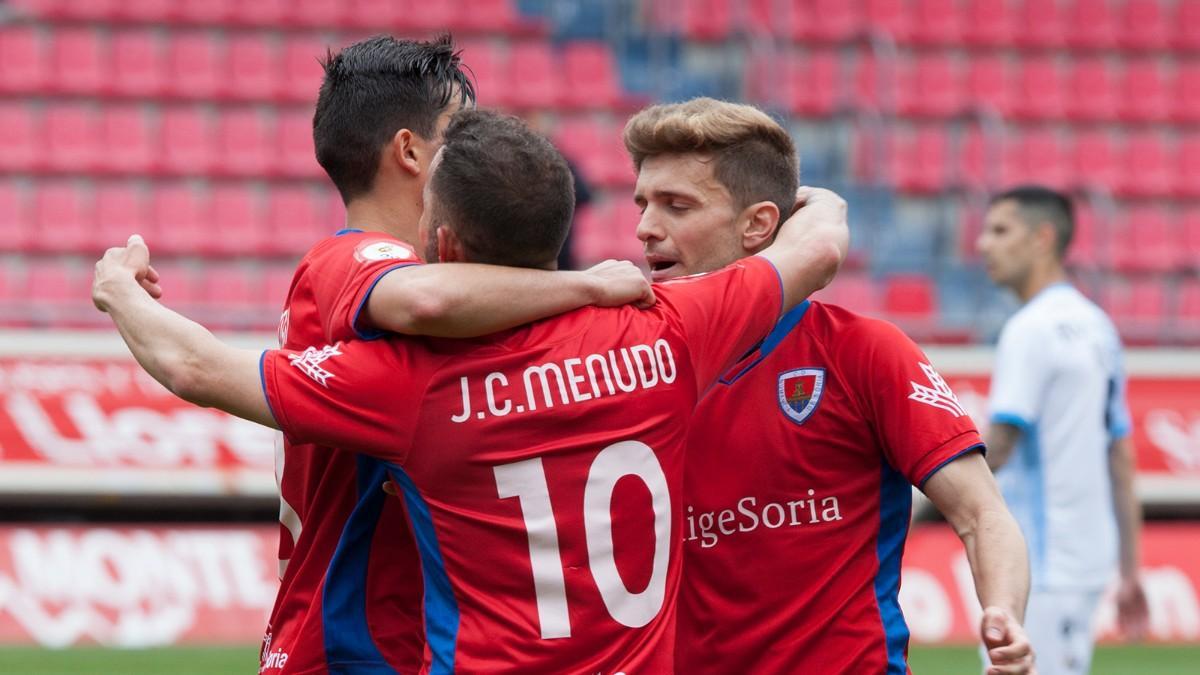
x,y
800,392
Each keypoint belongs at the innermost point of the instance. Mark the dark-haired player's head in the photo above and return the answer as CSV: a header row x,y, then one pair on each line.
x,y
714,180
380,113
498,193
1026,229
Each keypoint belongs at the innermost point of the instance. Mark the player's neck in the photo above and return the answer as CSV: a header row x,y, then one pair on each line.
x,y
397,218
1039,279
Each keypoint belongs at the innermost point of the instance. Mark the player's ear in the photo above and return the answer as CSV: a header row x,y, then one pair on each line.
x,y
450,247
759,222
405,151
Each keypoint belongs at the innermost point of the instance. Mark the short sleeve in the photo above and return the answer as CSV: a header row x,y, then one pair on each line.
x,y
361,396
723,314
916,417
1018,376
344,274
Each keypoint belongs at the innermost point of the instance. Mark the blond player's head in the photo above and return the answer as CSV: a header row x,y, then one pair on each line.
x,y
714,181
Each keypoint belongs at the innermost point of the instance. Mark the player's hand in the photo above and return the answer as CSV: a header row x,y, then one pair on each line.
x,y
1133,612
121,264
620,282
1007,645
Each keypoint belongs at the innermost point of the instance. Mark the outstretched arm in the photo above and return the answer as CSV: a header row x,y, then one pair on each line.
x,y
1133,612
469,300
181,354
1001,439
811,244
966,494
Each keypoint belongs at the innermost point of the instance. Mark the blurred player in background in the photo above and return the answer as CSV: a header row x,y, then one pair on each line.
x,y
802,458
378,122
513,451
1059,437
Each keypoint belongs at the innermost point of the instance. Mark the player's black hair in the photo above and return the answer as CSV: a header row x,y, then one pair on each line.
x,y
1038,205
371,90
504,189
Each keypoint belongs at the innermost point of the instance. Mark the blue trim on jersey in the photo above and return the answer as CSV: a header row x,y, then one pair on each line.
x,y
347,230
441,609
347,635
978,446
895,510
262,379
781,330
373,334
1116,414
1011,419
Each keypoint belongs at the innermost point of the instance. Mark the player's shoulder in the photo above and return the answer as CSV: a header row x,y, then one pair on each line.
x,y
362,246
841,328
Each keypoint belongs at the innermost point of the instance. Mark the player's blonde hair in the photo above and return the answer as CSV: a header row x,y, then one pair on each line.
x,y
753,156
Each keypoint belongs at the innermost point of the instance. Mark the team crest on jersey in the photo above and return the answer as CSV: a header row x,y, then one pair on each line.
x,y
800,391
940,395
382,250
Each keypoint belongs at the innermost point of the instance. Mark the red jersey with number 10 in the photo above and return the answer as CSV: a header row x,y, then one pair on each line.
x,y
331,504
541,468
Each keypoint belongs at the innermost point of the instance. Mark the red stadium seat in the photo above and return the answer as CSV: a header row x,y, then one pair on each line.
x,y
938,22
853,291
893,18
1093,93
590,69
1083,251
1144,92
253,67
121,210
936,88
15,222
63,218
1189,226
246,143
1039,89
295,154
910,297
980,160
839,20
811,82
139,67
150,11
1144,25
196,65
534,76
180,284
877,82
989,84
228,297
293,224
429,16
20,137
277,282
72,137
1147,241
1138,307
1187,174
187,141
1091,24
302,72
1039,157
1187,26
80,60
181,218
1095,159
24,65
207,12
1186,94
374,14
1147,165
239,225
919,159
262,12
489,71
1187,308
129,145
319,13
989,23
487,16
595,147
1040,24
57,292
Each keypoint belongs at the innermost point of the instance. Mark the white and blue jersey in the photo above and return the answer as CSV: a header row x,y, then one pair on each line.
x,y
1059,378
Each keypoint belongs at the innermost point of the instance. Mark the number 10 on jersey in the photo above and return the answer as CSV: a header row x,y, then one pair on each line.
x,y
526,480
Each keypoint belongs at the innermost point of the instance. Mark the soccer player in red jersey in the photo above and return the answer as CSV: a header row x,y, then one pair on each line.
x,y
801,459
378,122
541,467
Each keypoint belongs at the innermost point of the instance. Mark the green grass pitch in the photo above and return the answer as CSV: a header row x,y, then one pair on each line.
x,y
1123,660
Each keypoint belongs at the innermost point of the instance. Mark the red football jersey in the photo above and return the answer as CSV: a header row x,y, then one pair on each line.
x,y
541,468
797,497
324,615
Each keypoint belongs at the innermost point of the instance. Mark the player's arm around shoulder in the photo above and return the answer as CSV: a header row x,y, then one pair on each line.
x,y
965,491
811,244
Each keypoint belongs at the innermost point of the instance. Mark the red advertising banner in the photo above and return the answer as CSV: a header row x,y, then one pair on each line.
x,y
102,425
939,601
136,586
